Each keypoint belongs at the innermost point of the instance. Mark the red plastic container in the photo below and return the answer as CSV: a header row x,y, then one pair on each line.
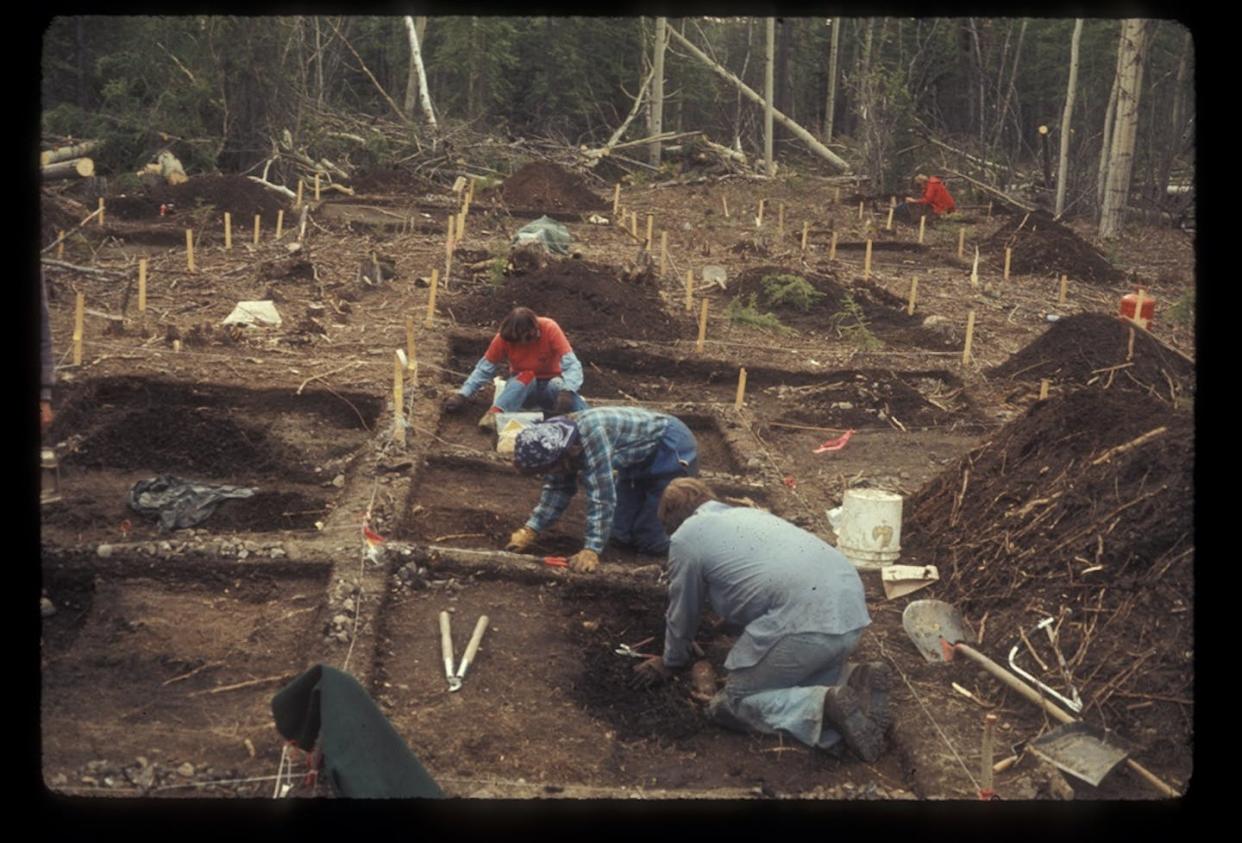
x,y
1130,305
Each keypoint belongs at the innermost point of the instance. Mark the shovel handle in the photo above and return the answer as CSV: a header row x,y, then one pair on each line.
x,y
473,647
1033,695
446,643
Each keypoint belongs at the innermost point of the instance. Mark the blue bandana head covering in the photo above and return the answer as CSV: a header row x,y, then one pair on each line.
x,y
542,444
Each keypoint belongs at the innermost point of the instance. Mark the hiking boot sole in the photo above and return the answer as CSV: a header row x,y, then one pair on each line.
x,y
844,710
873,682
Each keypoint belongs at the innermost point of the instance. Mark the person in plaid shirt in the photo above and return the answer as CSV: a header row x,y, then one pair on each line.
x,y
624,457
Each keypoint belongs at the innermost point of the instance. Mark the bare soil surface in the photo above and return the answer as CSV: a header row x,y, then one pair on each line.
x,y
163,650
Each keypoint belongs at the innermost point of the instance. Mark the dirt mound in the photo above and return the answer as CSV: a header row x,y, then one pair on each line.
x,y
876,398
882,312
237,195
391,180
540,186
581,296
1088,348
1042,246
1054,515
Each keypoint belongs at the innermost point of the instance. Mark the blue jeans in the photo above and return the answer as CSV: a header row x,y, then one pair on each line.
x,y
639,489
785,691
539,394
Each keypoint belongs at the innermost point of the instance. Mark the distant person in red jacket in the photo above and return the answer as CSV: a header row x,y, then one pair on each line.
x,y
544,372
936,201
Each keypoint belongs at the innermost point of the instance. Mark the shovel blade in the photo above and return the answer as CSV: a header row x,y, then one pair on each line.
x,y
1081,750
929,621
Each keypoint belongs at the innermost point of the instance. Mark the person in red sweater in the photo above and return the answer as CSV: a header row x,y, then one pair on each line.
x,y
935,202
544,373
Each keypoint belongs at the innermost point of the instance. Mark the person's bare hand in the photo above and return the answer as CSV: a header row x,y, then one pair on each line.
x,y
650,673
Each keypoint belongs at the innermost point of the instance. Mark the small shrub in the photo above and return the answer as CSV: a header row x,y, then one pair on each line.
x,y
1182,311
792,290
748,314
850,323
496,273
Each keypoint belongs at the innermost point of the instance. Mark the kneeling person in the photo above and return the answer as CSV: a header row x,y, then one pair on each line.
x,y
802,605
624,457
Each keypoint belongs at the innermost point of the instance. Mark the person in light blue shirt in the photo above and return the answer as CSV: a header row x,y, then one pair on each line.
x,y
802,609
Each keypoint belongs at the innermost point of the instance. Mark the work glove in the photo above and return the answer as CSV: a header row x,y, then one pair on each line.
x,y
584,561
650,673
521,539
454,403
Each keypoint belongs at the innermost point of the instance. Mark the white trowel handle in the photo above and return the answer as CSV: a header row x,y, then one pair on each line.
x,y
446,644
473,646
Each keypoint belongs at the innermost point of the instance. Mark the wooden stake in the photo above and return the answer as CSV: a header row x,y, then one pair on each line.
x,y
79,326
409,342
989,209
228,232
299,193
280,223
448,248
634,224
888,226
650,231
724,200
189,249
974,270
914,291
60,247
470,193
689,290
836,197
806,229
961,243
1064,289
101,211
316,187
257,218
1130,346
759,216
1139,298
621,217
663,251
398,396
780,221
616,198
922,228
741,388
177,346
867,260
970,335
1043,389
860,210
698,346
142,285
431,296
461,226
832,247
1008,258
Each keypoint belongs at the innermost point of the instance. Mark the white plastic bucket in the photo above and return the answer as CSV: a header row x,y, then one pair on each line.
x,y
868,527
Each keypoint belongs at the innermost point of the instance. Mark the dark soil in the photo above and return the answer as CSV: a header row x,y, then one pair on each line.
x,y
541,186
1077,349
1031,524
582,297
386,180
1042,246
238,195
875,399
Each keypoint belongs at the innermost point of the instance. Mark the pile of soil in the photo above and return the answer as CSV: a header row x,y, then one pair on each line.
x,y
384,180
1079,348
883,313
1046,517
542,187
1042,246
238,195
582,297
867,399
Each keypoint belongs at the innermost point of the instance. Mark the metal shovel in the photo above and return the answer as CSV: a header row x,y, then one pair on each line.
x,y
935,627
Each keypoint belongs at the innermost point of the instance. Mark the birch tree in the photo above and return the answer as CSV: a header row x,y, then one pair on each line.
x,y
657,87
830,107
1070,93
769,67
1131,55
416,57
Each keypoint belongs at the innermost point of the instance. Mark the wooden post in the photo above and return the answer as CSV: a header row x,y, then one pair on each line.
x,y
634,224
616,198
448,243
922,228
914,291
470,193
280,223
398,397
888,226
1008,258
832,247
101,211
961,243
836,197
650,231
1139,298
970,335
60,247
189,249
759,216
1043,389
806,229
431,296
689,290
1130,347
142,285
741,388
620,218
79,326
177,346
860,210
257,218
867,260
299,193
724,200
974,270
461,226
698,346
1064,289
316,187
780,221
228,232
663,251
989,209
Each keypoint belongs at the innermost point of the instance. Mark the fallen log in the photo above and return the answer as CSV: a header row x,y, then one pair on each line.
x,y
1005,198
283,191
78,168
64,153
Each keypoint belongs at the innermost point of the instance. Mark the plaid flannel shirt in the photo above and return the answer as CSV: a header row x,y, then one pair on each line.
x,y
613,439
